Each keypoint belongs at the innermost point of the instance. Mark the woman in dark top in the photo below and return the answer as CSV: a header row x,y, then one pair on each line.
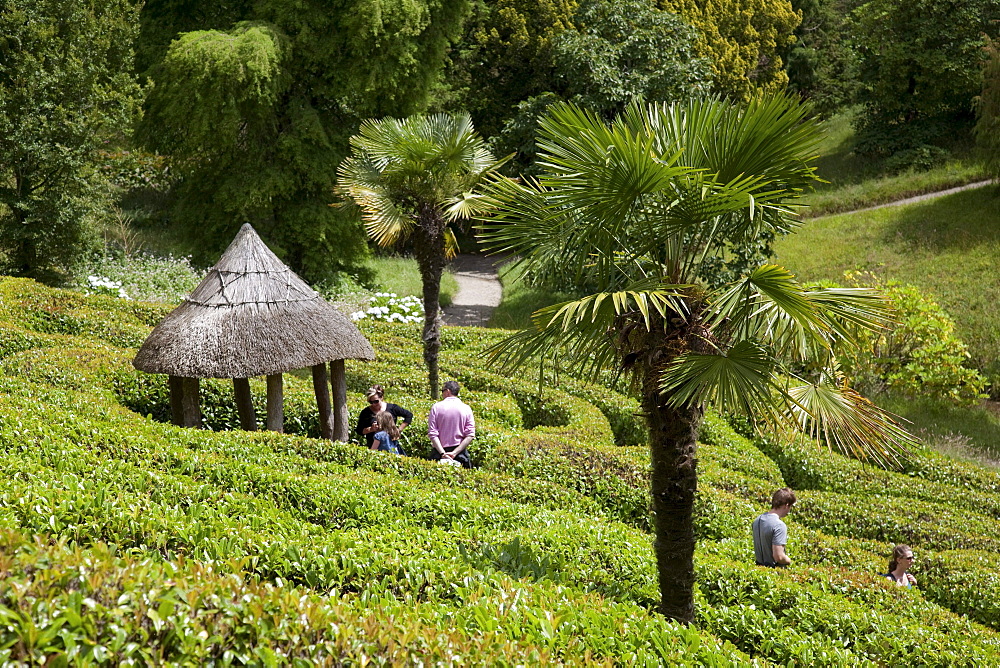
x,y
367,425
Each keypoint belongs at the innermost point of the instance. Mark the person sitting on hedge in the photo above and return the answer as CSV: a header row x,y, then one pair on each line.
x,y
899,563
367,426
770,533
387,437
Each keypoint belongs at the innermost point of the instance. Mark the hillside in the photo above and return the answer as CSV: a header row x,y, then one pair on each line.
x,y
125,539
948,247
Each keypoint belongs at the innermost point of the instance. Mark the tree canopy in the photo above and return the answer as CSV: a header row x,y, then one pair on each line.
x,y
66,92
258,114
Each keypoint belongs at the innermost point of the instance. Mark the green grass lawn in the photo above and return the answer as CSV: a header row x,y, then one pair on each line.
x,y
519,301
855,182
400,275
968,432
949,247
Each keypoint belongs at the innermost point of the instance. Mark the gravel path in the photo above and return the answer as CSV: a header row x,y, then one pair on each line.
x,y
479,290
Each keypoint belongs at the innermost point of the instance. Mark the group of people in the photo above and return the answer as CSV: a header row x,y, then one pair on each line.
x,y
770,535
450,425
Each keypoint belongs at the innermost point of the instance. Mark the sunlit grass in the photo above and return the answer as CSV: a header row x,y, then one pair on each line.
x,y
519,301
854,182
401,276
948,246
966,432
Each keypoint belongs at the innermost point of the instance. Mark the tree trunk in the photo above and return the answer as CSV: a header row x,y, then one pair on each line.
x,y
244,404
321,386
430,254
338,379
673,437
275,403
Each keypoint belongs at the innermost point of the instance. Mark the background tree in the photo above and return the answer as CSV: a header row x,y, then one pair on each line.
x,y
743,39
919,67
602,55
66,90
988,110
632,209
414,178
820,60
257,116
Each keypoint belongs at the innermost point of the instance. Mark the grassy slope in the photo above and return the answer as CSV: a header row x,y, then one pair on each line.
x,y
853,182
949,246
265,543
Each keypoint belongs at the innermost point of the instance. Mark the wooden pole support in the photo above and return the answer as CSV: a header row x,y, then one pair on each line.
x,y
244,404
275,403
176,385
190,403
321,386
341,421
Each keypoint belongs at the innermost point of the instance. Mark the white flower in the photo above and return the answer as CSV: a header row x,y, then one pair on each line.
x,y
358,315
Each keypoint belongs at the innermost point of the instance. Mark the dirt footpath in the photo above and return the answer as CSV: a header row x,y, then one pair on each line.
x,y
479,291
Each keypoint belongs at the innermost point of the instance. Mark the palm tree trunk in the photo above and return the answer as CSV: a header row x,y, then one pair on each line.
x,y
430,253
673,435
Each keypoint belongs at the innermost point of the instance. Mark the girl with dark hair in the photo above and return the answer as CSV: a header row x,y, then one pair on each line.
x,y
367,426
899,563
387,437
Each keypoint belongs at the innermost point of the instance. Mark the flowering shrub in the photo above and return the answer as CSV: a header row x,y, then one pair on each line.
x,y
99,285
391,308
142,276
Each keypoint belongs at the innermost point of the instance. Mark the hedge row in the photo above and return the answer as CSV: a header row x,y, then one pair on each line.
x,y
808,465
60,605
819,616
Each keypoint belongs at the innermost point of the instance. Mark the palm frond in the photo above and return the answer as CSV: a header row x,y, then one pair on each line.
x,y
848,422
741,379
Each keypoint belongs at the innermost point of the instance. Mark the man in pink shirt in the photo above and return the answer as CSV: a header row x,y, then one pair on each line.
x,y
451,426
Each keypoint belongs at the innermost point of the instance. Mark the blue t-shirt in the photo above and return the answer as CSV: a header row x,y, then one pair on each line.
x,y
386,444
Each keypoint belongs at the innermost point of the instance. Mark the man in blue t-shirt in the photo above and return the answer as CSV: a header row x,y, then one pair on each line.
x,y
770,533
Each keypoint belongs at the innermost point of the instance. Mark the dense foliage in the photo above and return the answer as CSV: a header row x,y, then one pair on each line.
x,y
988,110
256,114
66,91
127,540
919,66
744,40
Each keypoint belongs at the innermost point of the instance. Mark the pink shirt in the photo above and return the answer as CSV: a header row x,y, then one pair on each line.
x,y
451,421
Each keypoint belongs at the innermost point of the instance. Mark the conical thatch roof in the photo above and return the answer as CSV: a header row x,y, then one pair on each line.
x,y
250,316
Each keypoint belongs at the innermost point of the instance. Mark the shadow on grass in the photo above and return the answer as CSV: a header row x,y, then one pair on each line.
x,y
969,431
963,220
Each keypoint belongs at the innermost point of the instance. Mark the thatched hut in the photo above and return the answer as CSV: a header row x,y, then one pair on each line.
x,y
253,316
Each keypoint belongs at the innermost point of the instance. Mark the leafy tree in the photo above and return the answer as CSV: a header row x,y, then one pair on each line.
x,y
632,210
988,111
505,57
414,178
607,55
257,116
66,89
743,39
820,61
919,67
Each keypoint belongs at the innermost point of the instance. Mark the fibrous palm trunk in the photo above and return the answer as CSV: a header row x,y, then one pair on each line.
x,y
430,254
673,434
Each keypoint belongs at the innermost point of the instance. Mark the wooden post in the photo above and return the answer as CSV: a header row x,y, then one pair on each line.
x,y
190,403
275,403
176,385
341,421
321,385
244,404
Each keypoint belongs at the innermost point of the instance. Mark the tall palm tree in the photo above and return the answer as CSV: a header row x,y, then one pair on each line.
x,y
415,178
645,214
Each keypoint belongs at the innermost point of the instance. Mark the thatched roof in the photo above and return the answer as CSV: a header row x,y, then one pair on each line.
x,y
250,316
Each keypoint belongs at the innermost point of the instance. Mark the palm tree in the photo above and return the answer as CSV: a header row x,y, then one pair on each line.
x,y
649,214
415,178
